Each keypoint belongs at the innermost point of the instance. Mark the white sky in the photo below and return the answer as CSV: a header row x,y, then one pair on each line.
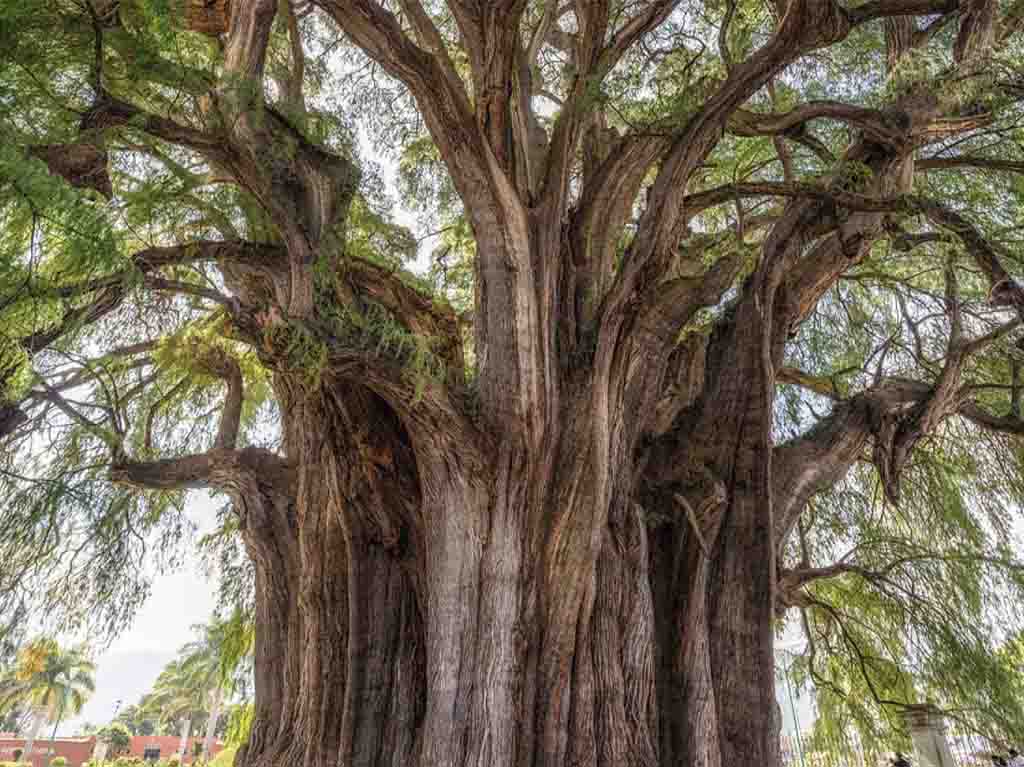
x,y
127,669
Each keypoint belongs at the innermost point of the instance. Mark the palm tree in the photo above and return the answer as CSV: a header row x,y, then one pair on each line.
x,y
53,682
213,659
177,695
198,680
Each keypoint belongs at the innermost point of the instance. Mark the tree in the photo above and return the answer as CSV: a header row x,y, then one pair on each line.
x,y
133,718
52,682
548,508
193,686
210,663
118,738
178,696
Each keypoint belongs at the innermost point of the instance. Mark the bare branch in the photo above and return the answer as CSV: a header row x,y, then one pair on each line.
x,y
880,9
723,35
634,29
215,468
970,162
875,123
188,288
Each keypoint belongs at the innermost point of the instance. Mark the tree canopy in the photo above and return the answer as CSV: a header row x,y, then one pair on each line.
x,y
734,284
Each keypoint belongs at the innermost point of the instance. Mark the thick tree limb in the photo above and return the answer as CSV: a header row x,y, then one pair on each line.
x,y
218,469
246,52
805,26
878,125
188,288
110,111
217,362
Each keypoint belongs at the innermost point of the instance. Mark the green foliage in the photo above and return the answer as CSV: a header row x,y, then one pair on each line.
x,y
135,720
371,236
58,761
379,333
240,725
215,663
49,679
225,758
303,352
129,761
117,736
927,622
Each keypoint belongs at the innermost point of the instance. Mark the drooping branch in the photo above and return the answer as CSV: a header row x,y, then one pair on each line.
x,y
98,297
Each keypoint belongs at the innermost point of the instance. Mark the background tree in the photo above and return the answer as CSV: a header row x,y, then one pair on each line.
x,y
136,720
212,663
722,326
51,682
179,698
118,738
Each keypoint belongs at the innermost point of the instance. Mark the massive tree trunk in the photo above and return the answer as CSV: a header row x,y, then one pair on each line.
x,y
430,593
445,635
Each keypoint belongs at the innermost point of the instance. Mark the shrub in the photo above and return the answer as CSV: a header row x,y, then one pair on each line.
x,y
128,761
58,761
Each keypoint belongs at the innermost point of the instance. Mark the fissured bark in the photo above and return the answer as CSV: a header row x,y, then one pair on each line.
x,y
421,602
